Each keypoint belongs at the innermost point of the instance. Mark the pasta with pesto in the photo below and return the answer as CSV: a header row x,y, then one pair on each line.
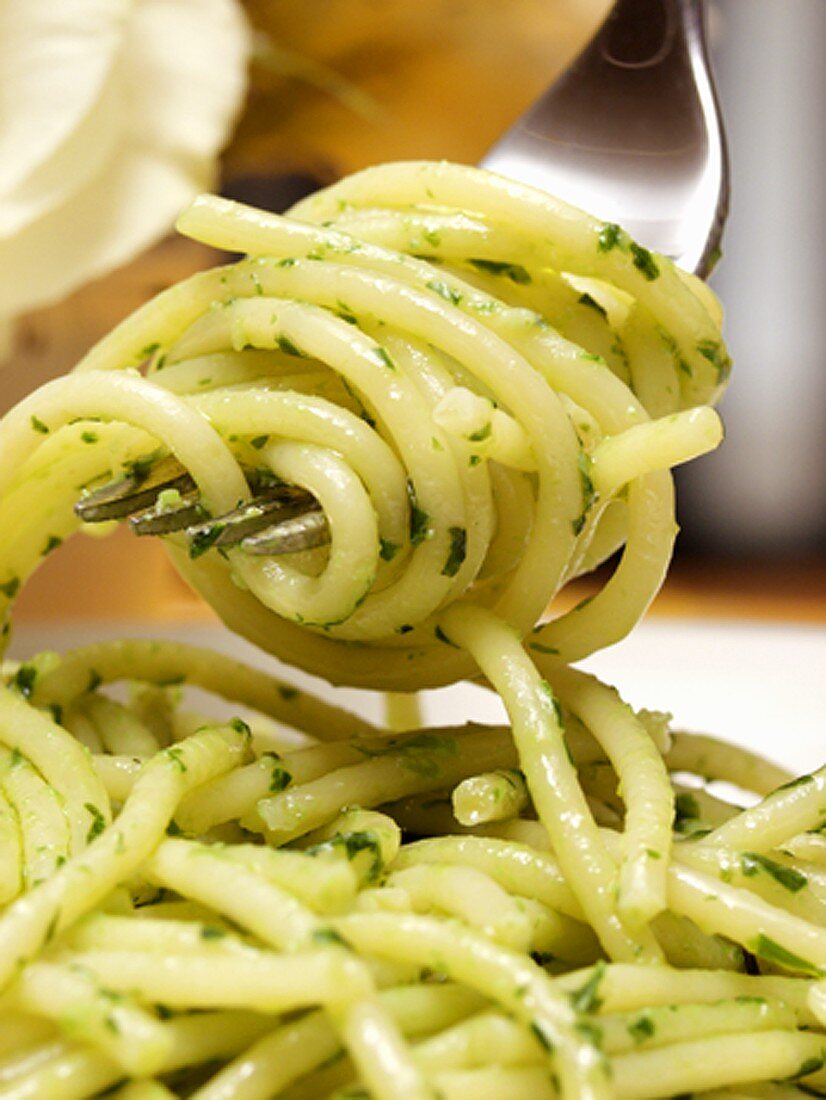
x,y
484,390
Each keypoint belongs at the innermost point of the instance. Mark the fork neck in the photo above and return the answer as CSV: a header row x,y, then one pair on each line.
x,y
638,34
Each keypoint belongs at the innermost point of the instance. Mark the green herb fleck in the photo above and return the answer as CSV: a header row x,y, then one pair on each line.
x,y
542,1038
328,937
288,347
445,291
383,356
175,754
240,726
24,680
89,437
766,948
259,441
515,272
280,778
541,648
10,588
686,810
388,549
287,693
790,879
586,998
811,1065
420,528
52,543
212,932
644,262
458,551
442,637
641,1028
716,354
204,539
98,821
484,432
610,236
592,303
39,426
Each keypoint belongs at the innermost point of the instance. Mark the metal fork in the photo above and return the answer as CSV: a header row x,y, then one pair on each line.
x,y
631,132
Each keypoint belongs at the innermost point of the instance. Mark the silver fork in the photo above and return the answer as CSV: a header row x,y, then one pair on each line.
x,y
631,132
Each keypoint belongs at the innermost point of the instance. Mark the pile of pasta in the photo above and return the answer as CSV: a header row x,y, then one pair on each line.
x,y
300,905
268,896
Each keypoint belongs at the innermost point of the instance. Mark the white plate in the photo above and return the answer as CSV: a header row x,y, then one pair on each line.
x,y
756,684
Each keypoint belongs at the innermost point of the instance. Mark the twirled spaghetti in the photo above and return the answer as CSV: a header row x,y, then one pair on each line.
x,y
474,423
485,390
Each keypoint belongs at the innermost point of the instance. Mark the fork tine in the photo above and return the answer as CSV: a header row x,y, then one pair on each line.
x,y
160,519
301,532
138,490
279,519
268,509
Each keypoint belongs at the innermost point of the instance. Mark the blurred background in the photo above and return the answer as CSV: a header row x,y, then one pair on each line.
x,y
336,85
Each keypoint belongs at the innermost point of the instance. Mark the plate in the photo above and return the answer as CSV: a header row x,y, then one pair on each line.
x,y
759,685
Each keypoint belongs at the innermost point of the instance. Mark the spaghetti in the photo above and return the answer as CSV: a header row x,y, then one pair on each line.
x,y
485,390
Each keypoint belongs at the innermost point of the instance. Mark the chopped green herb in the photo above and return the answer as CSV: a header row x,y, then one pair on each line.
x,y
24,680
592,303
714,351
686,810
328,937
240,726
458,551
16,757
52,543
811,1065
175,754
383,356
539,1034
641,1028
95,680
212,932
540,648
790,879
10,588
586,998
644,262
388,549
405,628
515,272
445,291
766,948
798,781
442,637
204,539
288,347
98,821
484,432
280,778
259,441
474,460
89,437
419,519
39,426
610,236
287,693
